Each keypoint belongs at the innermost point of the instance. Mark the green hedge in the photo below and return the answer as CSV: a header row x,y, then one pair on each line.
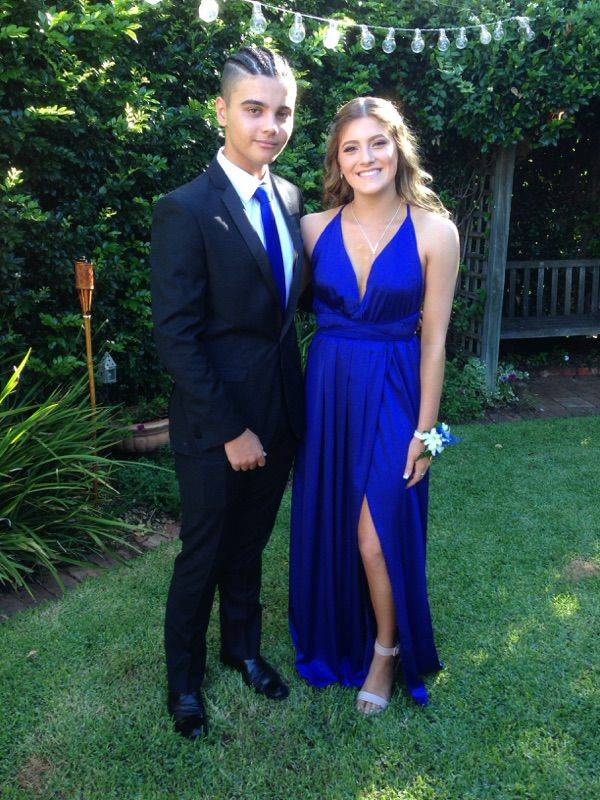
x,y
104,106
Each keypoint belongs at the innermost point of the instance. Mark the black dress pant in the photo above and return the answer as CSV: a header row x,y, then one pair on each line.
x,y
227,518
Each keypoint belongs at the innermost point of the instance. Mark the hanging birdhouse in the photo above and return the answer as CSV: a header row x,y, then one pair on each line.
x,y
107,371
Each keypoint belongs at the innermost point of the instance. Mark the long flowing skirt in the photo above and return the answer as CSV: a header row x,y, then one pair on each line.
x,y
362,409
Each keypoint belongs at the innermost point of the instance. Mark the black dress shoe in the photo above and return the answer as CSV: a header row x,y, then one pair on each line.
x,y
260,675
188,713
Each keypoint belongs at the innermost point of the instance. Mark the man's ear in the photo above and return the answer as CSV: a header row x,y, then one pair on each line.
x,y
221,109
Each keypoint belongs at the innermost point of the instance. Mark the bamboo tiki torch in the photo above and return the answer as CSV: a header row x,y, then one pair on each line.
x,y
84,281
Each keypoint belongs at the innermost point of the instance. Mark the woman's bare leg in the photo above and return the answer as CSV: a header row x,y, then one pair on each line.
x,y
380,677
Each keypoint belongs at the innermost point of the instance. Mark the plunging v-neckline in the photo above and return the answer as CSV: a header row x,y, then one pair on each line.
x,y
361,299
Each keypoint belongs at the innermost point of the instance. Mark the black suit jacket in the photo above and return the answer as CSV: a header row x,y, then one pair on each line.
x,y
217,320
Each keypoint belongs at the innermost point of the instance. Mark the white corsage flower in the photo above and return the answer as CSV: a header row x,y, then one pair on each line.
x,y
433,442
436,440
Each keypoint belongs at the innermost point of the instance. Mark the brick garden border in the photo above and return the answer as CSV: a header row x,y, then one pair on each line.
x,y
45,586
565,372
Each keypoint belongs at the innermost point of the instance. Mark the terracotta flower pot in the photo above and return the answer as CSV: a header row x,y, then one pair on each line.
x,y
146,436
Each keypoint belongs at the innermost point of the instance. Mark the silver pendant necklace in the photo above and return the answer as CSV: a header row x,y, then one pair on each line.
x,y
373,248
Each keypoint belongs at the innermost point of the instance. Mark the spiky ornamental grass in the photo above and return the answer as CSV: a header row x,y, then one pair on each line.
x,y
50,456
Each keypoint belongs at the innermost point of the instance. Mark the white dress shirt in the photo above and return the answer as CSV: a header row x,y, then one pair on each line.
x,y
245,185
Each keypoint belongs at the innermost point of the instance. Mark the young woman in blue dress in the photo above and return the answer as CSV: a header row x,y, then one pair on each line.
x,y
384,260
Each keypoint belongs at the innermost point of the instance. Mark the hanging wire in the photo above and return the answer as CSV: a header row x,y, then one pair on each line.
x,y
386,28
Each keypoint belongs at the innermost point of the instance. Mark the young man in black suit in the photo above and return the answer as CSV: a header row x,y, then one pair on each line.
x,y
226,275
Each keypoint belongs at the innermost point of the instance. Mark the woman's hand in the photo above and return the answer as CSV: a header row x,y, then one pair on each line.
x,y
416,467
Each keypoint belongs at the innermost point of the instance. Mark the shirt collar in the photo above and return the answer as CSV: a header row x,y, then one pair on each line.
x,y
244,183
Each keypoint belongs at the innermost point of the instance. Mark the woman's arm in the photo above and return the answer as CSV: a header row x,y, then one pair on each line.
x,y
440,251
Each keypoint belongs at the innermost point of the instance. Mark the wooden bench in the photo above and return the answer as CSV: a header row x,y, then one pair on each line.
x,y
551,298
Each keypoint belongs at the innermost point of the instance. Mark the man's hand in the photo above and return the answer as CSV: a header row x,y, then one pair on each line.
x,y
246,452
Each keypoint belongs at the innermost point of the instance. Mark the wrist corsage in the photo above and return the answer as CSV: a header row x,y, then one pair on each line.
x,y
436,440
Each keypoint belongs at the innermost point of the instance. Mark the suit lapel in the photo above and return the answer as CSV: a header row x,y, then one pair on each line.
x,y
294,230
292,225
234,205
232,202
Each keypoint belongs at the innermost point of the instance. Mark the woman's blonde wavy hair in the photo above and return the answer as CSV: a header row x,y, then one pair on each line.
x,y
411,179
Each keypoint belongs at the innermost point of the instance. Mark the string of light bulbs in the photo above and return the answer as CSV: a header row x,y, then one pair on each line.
x,y
209,12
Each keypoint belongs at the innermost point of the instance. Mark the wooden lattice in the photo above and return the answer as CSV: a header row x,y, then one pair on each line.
x,y
473,221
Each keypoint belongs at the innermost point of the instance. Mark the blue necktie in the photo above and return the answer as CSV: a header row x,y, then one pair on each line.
x,y
273,245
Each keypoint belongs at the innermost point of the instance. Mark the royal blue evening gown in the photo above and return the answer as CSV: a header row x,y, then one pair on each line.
x,y
362,396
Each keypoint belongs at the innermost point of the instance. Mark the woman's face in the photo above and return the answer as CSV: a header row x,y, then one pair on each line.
x,y
367,156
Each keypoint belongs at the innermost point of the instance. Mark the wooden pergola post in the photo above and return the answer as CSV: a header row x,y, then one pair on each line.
x,y
502,183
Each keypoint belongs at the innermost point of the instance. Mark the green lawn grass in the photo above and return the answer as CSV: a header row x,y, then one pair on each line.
x,y
514,715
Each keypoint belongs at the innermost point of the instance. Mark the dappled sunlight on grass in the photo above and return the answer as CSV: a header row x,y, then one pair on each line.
x,y
565,605
586,685
531,627
550,753
480,657
512,715
422,787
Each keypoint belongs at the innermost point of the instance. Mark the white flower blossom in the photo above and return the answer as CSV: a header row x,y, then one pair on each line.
x,y
433,442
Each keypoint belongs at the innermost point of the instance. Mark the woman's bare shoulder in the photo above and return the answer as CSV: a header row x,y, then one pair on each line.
x,y
313,225
434,224
318,220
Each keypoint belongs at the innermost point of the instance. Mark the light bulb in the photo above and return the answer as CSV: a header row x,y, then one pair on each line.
x,y
443,41
418,43
461,39
486,36
332,36
258,23
526,28
367,40
499,31
297,31
389,43
208,11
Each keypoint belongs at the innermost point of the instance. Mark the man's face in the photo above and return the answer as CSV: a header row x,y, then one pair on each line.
x,y
258,119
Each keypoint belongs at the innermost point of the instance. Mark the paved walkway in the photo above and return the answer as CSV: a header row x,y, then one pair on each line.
x,y
552,396
555,396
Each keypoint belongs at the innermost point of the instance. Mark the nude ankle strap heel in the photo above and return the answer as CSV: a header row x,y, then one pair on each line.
x,y
369,697
386,651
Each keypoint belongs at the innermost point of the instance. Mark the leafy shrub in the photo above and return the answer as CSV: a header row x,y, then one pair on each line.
x,y
467,310
49,461
508,378
106,105
465,395
141,485
143,411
